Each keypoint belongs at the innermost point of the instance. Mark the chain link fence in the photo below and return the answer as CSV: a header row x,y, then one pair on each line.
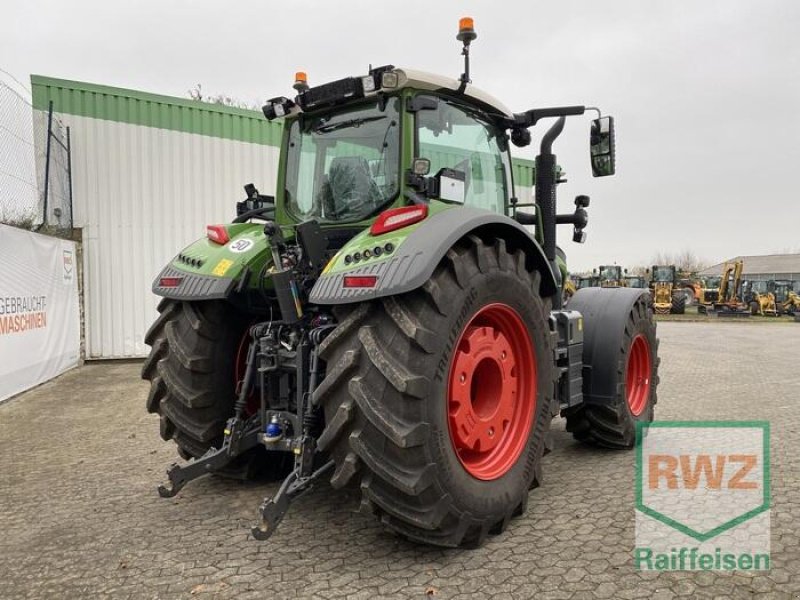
x,y
35,167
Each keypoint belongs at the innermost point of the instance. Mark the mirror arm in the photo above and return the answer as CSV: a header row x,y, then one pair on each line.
x,y
529,118
595,109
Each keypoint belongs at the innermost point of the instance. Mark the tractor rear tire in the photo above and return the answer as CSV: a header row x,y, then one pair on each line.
x,y
678,304
621,392
191,369
400,371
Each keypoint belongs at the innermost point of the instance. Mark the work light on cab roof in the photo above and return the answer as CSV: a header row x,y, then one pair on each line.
x,y
350,88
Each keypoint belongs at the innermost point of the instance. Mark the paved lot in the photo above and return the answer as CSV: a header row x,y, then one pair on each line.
x,y
80,517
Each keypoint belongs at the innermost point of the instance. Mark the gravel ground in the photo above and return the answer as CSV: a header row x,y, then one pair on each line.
x,y
80,515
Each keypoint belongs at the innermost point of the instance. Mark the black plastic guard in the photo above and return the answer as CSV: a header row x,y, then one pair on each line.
x,y
193,287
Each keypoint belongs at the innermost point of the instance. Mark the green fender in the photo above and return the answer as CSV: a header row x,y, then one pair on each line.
x,y
417,250
206,270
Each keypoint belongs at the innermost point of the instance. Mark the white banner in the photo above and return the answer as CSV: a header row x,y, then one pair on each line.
x,y
39,315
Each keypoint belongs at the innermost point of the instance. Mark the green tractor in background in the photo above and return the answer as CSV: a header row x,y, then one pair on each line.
x,y
386,320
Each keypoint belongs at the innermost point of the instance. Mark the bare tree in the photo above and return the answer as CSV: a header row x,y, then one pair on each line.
x,y
196,93
685,261
639,270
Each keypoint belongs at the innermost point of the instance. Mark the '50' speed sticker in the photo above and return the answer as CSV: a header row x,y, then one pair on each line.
x,y
240,246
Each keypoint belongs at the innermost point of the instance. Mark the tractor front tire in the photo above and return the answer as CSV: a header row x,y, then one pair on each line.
x,y
437,401
621,351
691,300
678,304
191,369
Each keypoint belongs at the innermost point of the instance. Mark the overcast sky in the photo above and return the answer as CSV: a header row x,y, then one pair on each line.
x,y
706,94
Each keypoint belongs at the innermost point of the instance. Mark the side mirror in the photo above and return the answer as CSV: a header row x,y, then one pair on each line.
x,y
601,147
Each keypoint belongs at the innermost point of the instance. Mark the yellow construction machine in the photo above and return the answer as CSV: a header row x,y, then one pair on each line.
x,y
667,299
611,276
787,301
635,281
728,301
569,291
759,299
706,291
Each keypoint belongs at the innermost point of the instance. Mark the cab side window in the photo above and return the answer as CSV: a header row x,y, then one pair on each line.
x,y
452,137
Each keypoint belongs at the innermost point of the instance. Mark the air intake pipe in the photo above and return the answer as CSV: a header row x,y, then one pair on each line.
x,y
546,192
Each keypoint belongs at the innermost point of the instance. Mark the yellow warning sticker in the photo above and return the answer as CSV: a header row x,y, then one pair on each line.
x,y
331,262
222,267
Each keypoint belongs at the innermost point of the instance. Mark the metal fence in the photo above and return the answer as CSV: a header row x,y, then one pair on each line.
x,y
35,167
57,185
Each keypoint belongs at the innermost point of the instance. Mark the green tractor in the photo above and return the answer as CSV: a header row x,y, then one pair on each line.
x,y
387,321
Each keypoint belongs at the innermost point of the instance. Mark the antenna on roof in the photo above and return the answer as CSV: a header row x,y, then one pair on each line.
x,y
466,33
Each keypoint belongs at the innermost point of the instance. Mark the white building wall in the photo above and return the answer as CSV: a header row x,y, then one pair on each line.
x,y
140,195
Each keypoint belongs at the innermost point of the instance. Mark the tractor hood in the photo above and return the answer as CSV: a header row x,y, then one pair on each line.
x,y
208,269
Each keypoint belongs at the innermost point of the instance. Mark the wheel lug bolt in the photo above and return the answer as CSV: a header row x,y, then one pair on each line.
x,y
503,355
463,378
491,432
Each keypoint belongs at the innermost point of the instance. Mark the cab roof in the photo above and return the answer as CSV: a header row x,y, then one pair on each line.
x,y
422,80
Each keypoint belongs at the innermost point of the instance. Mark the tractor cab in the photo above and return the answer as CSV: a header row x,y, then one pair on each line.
x,y
635,281
781,289
663,274
611,276
360,145
751,289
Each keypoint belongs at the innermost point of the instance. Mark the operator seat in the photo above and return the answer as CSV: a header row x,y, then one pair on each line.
x,y
349,190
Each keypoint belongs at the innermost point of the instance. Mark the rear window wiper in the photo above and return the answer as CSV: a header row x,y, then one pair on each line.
x,y
349,123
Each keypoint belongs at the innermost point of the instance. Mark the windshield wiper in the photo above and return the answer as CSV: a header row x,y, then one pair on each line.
x,y
350,123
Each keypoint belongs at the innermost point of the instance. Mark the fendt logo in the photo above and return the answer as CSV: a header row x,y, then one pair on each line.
x,y
702,495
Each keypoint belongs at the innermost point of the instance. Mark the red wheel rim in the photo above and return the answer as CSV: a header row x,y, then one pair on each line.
x,y
637,379
239,369
492,392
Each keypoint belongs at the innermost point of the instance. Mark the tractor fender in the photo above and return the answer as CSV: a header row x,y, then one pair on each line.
x,y
605,314
415,260
207,270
